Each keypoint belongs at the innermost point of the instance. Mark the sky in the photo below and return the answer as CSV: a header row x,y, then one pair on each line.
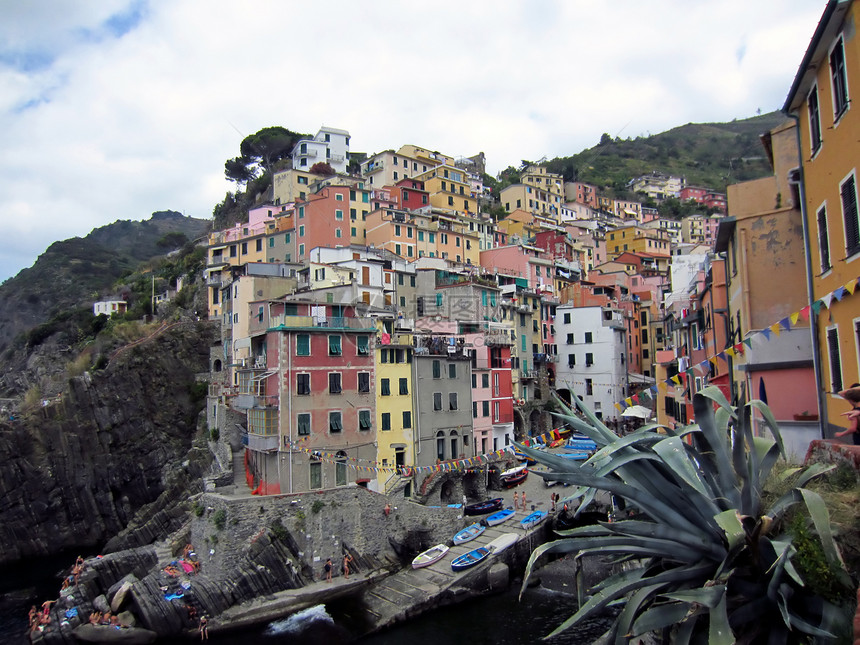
x,y
114,109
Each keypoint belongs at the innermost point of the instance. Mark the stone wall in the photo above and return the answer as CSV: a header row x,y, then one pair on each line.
x,y
830,451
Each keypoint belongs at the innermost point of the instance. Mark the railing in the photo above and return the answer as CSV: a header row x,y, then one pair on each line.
x,y
262,443
528,374
295,322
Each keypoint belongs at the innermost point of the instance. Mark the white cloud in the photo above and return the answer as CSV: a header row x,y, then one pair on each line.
x,y
113,110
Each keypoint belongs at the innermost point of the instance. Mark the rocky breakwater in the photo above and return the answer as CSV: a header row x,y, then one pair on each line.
x,y
115,451
252,560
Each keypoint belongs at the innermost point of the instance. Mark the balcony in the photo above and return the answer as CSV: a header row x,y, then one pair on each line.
x,y
528,375
313,322
262,443
498,338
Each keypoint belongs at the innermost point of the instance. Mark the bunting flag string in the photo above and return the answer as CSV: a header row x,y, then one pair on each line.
x,y
775,329
460,465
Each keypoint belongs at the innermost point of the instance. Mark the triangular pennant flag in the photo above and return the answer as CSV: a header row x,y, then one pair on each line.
x,y
713,360
661,387
730,351
851,286
804,312
775,328
766,333
794,317
635,398
653,388
722,356
676,379
786,323
628,402
739,348
816,307
827,300
839,293
748,342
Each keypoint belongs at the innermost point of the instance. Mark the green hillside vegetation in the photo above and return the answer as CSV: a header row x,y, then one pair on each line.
x,y
712,155
70,275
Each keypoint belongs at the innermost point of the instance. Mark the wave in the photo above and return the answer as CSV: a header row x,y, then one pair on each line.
x,y
299,622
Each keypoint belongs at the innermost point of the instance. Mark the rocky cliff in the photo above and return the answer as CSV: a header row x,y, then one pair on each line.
x,y
117,449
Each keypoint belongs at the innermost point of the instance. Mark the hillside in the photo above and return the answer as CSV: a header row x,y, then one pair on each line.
x,y
707,154
75,272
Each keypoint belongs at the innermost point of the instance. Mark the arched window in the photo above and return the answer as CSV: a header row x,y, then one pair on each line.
x,y
455,444
440,446
216,366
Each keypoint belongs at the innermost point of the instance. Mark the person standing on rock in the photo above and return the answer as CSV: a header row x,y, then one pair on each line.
x,y
328,568
346,561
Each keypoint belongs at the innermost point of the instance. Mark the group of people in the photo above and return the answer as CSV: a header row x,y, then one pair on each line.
x,y
327,569
521,502
107,618
40,619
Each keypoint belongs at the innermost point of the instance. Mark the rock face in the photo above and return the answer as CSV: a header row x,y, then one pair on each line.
x,y
115,452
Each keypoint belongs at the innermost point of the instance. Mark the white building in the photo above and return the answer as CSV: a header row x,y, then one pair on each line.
x,y
330,146
109,307
591,357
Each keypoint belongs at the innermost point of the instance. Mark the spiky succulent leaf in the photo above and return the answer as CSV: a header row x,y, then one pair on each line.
x,y
659,617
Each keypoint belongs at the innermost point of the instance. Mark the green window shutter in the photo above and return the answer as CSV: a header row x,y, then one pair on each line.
x,y
364,419
385,387
438,299
363,345
334,345
437,369
404,386
407,419
303,345
304,424
386,421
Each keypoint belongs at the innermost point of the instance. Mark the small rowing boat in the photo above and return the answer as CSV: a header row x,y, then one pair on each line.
x,y
533,519
482,508
430,556
470,559
499,517
468,533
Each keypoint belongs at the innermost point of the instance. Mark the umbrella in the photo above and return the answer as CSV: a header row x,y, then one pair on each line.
x,y
637,411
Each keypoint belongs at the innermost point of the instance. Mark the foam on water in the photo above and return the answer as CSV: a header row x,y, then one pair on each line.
x,y
299,622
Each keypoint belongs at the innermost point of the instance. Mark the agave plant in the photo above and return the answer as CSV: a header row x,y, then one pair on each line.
x,y
704,561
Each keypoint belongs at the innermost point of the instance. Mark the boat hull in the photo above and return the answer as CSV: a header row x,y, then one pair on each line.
x,y
533,519
499,517
468,533
470,559
482,508
430,556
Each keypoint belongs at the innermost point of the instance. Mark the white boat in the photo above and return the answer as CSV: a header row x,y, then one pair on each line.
x,y
430,556
502,542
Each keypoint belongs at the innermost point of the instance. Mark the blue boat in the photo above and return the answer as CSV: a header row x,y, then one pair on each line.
x,y
574,456
468,533
499,517
470,559
533,519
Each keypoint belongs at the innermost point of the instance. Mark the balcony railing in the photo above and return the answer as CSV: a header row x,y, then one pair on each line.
x,y
298,322
263,443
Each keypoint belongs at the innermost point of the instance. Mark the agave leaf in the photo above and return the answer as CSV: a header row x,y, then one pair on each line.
x,y
783,551
632,608
718,444
744,461
779,506
625,575
652,529
716,395
771,423
672,451
556,546
685,630
811,472
659,617
821,520
722,417
719,631
731,525
828,618
610,593
788,472
592,418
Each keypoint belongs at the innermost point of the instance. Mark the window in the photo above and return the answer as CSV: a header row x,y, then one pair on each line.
x,y
823,240
340,469
334,348
303,422
814,120
452,401
386,421
497,409
438,299
303,383
485,408
452,370
407,419
566,319
589,359
571,360
362,345
303,345
839,80
404,386
334,384
437,401
364,419
302,230
440,446
485,380
316,471
437,369
385,387
475,409
335,423
588,337
570,339
835,359
848,191
364,382
589,387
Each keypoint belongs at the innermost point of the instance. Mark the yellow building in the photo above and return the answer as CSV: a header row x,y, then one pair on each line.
x,y
292,185
637,239
820,101
540,192
449,189
395,417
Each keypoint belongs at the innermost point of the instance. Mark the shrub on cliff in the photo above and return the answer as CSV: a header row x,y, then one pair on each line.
x,y
710,559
